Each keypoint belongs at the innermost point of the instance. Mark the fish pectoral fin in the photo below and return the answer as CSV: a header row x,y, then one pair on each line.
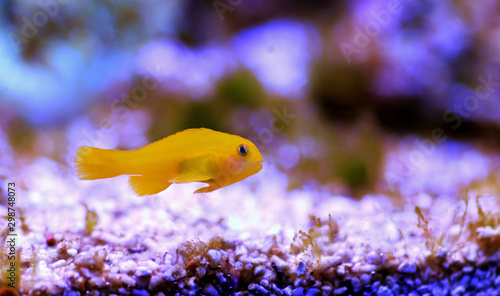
x,y
205,189
212,185
145,186
193,170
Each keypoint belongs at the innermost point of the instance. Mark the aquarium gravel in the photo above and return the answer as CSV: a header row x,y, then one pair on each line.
x,y
253,238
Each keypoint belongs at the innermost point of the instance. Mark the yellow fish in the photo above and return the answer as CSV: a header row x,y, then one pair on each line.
x,y
192,155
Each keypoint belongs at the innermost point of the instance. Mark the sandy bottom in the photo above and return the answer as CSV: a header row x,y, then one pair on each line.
x,y
435,231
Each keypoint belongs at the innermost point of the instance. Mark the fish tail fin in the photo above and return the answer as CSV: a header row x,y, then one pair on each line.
x,y
94,163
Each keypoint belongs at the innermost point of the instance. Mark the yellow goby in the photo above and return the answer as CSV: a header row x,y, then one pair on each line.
x,y
193,155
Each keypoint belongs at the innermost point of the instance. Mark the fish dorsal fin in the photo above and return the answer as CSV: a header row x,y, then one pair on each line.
x,y
145,186
197,129
194,170
180,136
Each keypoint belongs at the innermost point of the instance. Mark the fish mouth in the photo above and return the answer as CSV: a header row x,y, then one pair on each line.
x,y
251,169
256,166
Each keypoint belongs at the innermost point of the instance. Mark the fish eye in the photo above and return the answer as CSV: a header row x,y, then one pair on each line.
x,y
242,150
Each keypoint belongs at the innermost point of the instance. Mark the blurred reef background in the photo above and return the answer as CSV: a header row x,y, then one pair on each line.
x,y
378,121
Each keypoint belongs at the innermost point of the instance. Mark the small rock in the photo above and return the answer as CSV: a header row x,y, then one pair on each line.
x,y
470,252
438,291
364,268
365,279
97,281
287,291
258,289
63,247
127,266
460,290
280,263
410,283
389,281
407,267
327,290
340,291
214,257
341,270
259,270
139,292
423,289
127,280
93,293
152,265
454,230
240,250
200,272
211,291
480,274
155,281
330,261
143,271
356,284
72,252
497,281
376,258
474,283
487,232
58,263
313,292
192,285
264,283
468,269
384,291
298,282
224,254
203,261
301,268
465,280
221,278
298,291
179,273
276,290
395,289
